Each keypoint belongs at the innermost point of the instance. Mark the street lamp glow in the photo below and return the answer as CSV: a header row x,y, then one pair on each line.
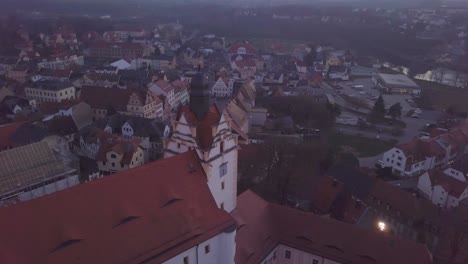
x,y
382,226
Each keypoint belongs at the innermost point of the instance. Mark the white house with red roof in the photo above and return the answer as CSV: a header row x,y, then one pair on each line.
x,y
422,154
442,188
204,128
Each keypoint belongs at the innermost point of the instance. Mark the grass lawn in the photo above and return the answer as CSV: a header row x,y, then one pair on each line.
x,y
365,147
440,97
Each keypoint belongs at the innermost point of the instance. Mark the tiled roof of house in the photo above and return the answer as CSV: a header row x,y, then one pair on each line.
x,y
127,148
452,186
262,226
420,149
235,46
325,193
103,98
26,165
109,77
245,63
407,204
62,125
6,133
146,214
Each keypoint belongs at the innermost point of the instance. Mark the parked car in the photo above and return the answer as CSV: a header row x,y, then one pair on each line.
x,y
415,115
379,164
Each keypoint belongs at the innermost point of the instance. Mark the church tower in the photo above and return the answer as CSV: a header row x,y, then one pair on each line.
x,y
202,127
199,96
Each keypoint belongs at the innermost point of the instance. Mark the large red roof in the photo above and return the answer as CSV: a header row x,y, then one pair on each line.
x,y
152,212
248,47
262,226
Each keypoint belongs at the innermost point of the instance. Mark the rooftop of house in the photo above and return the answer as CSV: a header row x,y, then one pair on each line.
x,y
153,213
419,149
451,185
106,98
262,226
112,143
6,134
51,85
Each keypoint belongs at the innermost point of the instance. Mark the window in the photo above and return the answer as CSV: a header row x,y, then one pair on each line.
x,y
223,169
113,156
388,159
222,186
186,260
315,261
207,249
398,163
221,147
222,206
178,145
287,254
400,158
113,164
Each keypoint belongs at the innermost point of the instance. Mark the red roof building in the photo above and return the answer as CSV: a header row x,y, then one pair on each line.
x,y
268,232
149,214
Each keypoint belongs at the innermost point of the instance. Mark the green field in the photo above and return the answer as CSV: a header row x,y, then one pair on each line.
x,y
440,97
363,146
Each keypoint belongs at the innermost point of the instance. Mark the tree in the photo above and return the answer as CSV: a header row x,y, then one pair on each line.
x,y
310,58
379,108
395,110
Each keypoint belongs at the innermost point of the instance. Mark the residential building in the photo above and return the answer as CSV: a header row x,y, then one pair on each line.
x,y
32,171
422,154
14,105
223,87
61,61
101,79
104,101
80,112
51,91
152,133
396,83
116,50
165,88
52,74
442,189
20,72
243,48
181,91
270,233
154,62
203,127
161,212
116,154
246,68
112,153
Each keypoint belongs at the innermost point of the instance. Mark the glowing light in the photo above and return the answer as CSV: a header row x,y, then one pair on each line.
x,y
382,226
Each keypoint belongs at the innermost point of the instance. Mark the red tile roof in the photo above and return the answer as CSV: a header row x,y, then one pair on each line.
x,y
235,46
451,185
6,132
262,226
150,213
325,193
127,148
245,63
103,97
419,149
